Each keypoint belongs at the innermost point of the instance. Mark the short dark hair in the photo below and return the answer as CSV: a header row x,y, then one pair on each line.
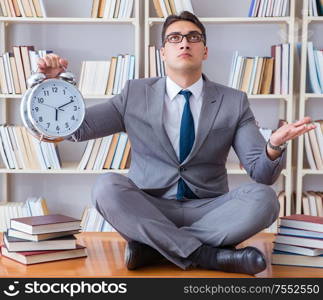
x,y
183,16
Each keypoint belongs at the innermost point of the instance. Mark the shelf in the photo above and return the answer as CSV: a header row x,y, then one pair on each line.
x,y
67,168
70,168
314,19
68,20
246,20
313,96
269,96
311,172
18,96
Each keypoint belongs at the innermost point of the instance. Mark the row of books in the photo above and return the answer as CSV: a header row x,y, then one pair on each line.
x,y
106,77
315,69
314,146
262,75
165,8
33,206
17,66
112,9
315,8
22,8
299,241
269,8
156,64
110,152
312,203
20,150
92,220
37,239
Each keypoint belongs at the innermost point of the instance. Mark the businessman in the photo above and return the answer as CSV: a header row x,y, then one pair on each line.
x,y
175,202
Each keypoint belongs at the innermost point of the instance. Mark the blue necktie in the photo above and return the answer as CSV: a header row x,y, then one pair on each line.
x,y
186,141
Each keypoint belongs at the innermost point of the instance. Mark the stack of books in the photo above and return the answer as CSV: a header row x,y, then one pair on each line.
x,y
156,64
269,8
106,77
299,241
39,239
110,152
262,75
22,8
315,8
112,9
20,150
17,66
165,8
313,143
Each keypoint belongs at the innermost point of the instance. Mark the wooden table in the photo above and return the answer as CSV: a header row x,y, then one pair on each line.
x,y
105,259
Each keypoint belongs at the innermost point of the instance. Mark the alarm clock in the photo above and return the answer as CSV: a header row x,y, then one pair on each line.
x,y
52,109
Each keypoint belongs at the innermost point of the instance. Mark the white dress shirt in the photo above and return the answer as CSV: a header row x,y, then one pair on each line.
x,y
172,116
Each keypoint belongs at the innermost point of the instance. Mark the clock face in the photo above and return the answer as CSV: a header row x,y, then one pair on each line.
x,y
56,108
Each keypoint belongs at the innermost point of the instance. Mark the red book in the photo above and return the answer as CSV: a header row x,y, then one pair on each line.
x,y
34,257
303,222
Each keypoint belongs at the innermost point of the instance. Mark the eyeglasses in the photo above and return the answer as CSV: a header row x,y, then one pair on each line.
x,y
192,37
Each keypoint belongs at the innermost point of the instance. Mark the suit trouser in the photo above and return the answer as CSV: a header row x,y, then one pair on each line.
x,y
177,228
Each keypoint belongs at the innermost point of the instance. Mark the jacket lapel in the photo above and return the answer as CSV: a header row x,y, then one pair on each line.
x,y
212,100
155,95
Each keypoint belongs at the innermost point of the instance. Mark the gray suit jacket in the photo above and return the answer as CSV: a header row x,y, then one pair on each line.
x,y
225,120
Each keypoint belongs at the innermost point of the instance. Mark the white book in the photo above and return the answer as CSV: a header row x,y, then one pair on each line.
x,y
106,142
308,151
45,155
285,69
106,227
43,8
299,250
4,83
233,66
241,73
236,72
107,8
278,63
119,151
86,155
122,9
129,9
164,9
16,154
3,153
285,12
312,69
178,6
319,137
122,70
276,8
158,63
310,8
8,73
117,75
319,65
40,154
34,57
132,68
264,9
312,203
102,76
261,8
314,6
112,8
187,5
253,75
126,70
315,150
7,147
54,151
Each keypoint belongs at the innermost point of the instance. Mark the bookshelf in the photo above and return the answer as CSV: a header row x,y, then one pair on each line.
x,y
223,19
309,103
34,31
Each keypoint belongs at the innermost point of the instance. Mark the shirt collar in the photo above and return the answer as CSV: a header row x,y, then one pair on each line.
x,y
172,88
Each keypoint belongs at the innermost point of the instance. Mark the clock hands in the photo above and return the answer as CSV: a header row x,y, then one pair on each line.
x,y
52,106
65,104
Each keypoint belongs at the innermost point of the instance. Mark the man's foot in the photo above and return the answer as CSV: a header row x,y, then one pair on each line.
x,y
247,260
139,255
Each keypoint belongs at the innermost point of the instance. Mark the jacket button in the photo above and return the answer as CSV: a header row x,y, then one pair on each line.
x,y
181,169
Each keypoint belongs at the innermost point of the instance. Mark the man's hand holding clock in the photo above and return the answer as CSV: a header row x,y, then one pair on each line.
x,y
52,108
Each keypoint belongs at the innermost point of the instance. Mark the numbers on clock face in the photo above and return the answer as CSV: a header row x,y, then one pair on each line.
x,y
57,108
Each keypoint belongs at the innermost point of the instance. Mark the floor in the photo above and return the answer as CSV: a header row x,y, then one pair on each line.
x,y
105,259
